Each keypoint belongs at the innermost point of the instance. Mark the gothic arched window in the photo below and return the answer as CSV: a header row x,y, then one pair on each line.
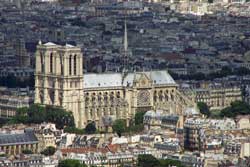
x,y
60,98
61,64
52,95
70,68
166,95
41,96
160,95
42,63
51,62
75,65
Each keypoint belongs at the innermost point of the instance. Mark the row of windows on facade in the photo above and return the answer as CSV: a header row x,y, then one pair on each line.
x,y
14,102
101,98
16,73
7,113
219,95
111,98
104,94
105,104
160,93
119,113
71,58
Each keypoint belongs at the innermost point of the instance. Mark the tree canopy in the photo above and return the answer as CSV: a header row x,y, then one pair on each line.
x,y
119,126
151,161
49,151
147,161
38,114
90,128
71,163
204,109
236,108
71,129
139,117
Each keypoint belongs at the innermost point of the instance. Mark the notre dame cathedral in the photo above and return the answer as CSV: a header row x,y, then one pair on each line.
x,y
60,81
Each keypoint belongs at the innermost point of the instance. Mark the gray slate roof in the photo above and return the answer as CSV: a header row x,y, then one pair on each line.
x,y
14,139
119,79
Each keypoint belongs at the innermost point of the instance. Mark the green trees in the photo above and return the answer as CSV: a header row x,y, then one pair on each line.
x,y
170,162
90,128
59,116
147,161
151,161
38,114
236,108
137,126
204,109
71,129
119,126
71,163
49,151
139,118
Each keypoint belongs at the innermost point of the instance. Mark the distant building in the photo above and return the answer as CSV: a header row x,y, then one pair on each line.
x,y
194,136
168,146
162,119
23,161
13,144
150,140
23,58
47,138
12,99
243,122
19,72
192,160
218,97
232,148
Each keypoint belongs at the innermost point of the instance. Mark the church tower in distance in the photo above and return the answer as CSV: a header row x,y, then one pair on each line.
x,y
59,78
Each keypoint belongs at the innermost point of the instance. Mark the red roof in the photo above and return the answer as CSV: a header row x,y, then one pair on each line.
x,y
83,150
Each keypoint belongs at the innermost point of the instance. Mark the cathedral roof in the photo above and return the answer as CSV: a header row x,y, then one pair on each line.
x,y
50,44
92,80
102,80
160,77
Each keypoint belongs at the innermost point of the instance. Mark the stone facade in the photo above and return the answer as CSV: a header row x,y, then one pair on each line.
x,y
60,81
220,97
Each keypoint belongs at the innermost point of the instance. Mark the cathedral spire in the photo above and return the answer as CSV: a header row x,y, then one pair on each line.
x,y
125,37
125,51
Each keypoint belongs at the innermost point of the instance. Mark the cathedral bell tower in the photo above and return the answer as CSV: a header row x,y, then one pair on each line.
x,y
59,78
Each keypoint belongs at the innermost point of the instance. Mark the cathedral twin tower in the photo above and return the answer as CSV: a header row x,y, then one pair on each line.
x,y
59,78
